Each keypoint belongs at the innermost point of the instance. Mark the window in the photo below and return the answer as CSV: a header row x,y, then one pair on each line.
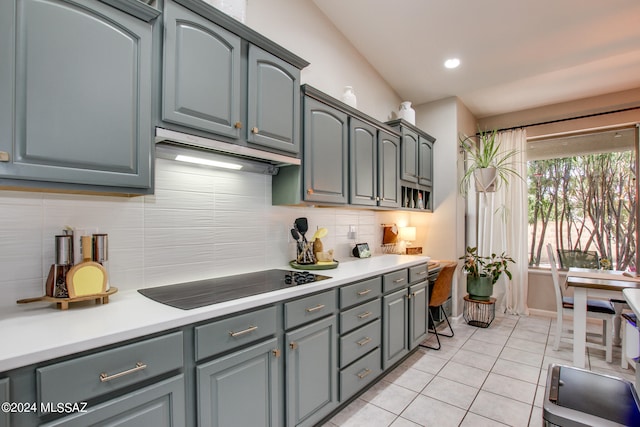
x,y
582,197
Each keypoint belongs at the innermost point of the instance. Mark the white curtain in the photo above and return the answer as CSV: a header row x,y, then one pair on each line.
x,y
503,215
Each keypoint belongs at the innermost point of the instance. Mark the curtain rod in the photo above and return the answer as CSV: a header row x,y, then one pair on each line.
x,y
569,118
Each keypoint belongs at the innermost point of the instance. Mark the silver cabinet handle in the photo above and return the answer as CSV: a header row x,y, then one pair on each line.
x,y
422,273
364,373
104,377
362,293
244,331
364,315
316,308
364,341
399,280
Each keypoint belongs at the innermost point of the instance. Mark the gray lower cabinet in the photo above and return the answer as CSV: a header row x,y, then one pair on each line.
x,y
418,312
325,153
241,389
75,111
161,404
4,397
395,334
273,113
311,372
202,76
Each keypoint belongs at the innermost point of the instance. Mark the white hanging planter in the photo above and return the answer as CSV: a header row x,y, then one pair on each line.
x,y
485,179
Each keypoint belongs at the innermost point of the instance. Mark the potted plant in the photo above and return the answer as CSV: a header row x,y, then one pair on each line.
x,y
484,272
488,165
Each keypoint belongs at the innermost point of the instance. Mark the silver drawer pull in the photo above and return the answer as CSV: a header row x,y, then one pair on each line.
x,y
399,280
364,315
366,291
244,331
364,373
316,308
104,377
364,341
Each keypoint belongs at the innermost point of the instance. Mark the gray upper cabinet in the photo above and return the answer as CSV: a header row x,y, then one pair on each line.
x,y
374,162
75,95
409,156
425,161
201,80
325,156
363,147
273,116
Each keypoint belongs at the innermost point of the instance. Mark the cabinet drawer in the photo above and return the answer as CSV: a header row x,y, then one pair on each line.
x,y
359,342
310,308
395,280
418,273
360,315
4,397
223,335
90,376
359,292
358,375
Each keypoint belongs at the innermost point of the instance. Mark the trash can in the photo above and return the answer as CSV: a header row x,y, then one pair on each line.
x,y
580,398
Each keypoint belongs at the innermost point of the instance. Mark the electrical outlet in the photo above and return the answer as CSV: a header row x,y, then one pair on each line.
x,y
353,232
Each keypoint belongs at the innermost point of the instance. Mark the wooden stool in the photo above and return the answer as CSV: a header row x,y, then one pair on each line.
x,y
479,313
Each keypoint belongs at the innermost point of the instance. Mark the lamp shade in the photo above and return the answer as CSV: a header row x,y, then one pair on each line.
x,y
408,234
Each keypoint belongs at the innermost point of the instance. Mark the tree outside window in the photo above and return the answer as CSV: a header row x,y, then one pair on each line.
x,y
584,202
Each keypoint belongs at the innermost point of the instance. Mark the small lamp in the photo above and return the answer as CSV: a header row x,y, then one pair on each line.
x,y
408,234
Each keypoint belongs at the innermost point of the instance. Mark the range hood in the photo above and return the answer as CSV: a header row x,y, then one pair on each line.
x,y
205,151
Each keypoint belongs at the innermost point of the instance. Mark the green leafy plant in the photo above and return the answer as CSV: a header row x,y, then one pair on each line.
x,y
483,151
492,266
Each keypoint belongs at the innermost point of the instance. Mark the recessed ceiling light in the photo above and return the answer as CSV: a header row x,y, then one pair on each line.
x,y
452,63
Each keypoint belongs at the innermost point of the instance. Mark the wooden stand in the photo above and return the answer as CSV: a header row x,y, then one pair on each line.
x,y
63,303
479,313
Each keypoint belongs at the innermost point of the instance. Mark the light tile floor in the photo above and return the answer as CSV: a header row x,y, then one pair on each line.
x,y
480,377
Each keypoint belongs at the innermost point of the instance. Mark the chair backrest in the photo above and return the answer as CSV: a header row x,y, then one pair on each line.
x,y
556,279
581,259
442,286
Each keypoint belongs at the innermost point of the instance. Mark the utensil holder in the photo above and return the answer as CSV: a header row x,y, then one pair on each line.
x,y
305,253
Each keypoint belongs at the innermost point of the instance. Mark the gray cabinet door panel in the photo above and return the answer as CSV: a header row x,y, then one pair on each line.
x,y
326,156
201,86
161,404
394,328
4,397
409,166
389,170
418,311
425,156
311,372
273,115
240,389
364,163
82,100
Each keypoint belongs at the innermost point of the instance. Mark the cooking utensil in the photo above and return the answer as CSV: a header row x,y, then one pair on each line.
x,y
295,234
302,225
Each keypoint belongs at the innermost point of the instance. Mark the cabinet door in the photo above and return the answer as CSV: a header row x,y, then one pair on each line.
x,y
312,376
201,81
418,311
4,397
425,156
363,146
241,389
75,94
273,113
326,142
388,170
409,166
394,327
160,404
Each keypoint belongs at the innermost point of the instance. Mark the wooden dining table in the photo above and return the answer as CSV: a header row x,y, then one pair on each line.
x,y
593,284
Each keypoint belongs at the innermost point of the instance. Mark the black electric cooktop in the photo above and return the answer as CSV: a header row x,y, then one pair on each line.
x,y
201,293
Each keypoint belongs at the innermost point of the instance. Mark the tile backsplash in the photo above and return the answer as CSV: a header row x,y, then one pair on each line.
x,y
199,223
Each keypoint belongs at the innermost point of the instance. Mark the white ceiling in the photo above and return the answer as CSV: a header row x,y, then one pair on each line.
x,y
515,54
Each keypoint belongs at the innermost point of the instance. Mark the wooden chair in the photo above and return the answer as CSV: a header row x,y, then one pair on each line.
x,y
598,309
440,293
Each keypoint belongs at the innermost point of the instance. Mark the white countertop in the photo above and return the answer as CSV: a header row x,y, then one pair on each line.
x,y
36,332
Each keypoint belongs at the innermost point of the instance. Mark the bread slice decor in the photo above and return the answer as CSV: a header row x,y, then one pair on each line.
x,y
86,278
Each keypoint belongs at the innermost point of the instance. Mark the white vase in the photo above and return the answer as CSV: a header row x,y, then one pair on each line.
x,y
349,97
407,113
